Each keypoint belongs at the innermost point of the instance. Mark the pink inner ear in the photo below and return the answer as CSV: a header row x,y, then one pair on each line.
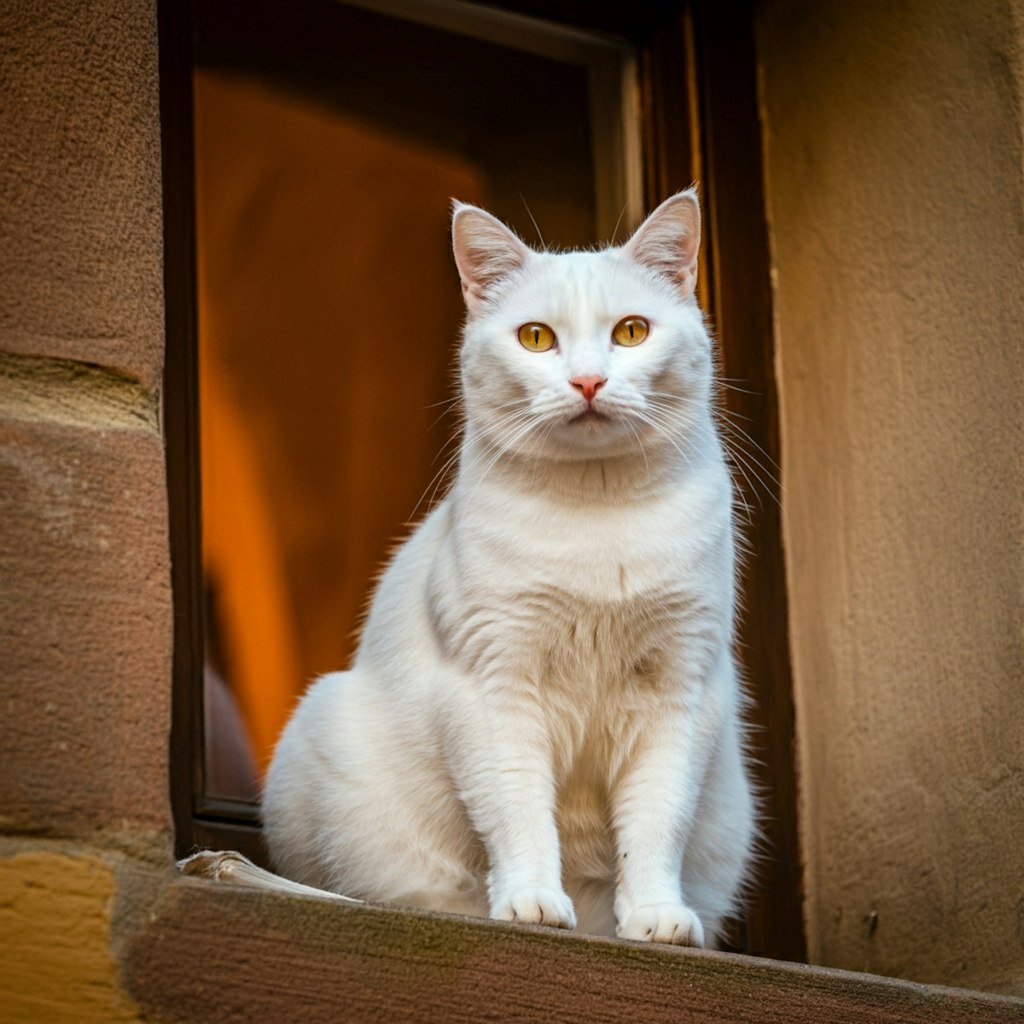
x,y
668,241
486,251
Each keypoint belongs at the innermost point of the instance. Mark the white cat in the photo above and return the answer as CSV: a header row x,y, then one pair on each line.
x,y
542,722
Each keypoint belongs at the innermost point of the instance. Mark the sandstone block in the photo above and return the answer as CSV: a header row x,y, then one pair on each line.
x,y
85,634
55,940
80,264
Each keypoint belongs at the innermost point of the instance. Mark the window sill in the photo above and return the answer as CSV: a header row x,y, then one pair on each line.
x,y
214,951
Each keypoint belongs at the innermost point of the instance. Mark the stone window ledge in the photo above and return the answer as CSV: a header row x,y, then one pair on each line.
x,y
214,951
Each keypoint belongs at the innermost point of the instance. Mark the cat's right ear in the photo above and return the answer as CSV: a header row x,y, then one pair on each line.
x,y
486,252
668,240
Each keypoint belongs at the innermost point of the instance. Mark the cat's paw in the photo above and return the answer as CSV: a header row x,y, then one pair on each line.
x,y
663,922
535,906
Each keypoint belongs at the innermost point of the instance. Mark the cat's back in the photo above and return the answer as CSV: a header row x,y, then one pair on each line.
x,y
400,605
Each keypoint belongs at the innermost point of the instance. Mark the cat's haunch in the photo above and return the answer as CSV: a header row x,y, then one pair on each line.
x,y
543,720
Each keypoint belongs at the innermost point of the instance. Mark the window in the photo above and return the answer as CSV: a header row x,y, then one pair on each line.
x,y
385,109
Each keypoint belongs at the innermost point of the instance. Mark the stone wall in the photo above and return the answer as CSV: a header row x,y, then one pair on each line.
x,y
85,629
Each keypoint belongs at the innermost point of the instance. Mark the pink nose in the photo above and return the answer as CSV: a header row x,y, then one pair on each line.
x,y
587,386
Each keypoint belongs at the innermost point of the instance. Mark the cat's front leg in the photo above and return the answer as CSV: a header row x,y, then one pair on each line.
x,y
498,755
517,822
654,806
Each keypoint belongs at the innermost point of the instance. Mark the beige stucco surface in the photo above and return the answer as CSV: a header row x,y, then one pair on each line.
x,y
896,202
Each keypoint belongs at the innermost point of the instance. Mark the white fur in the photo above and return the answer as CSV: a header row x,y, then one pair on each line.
x,y
542,722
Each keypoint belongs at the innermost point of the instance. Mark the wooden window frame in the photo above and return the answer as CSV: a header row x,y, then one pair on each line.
x,y
699,121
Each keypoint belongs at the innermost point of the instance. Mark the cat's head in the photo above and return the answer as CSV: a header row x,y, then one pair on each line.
x,y
582,355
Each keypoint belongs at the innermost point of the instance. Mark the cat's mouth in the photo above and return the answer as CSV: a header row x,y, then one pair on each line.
x,y
589,415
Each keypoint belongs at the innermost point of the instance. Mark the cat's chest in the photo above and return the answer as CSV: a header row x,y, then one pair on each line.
x,y
596,599
597,555
601,644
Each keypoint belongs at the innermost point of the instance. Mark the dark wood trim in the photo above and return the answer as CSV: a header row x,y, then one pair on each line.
x,y
197,822
741,302
181,410
633,21
238,830
700,123
666,111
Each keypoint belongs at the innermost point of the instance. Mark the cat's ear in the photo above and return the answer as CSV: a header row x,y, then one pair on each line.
x,y
667,242
486,251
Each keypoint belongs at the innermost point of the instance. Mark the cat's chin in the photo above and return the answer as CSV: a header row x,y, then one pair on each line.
x,y
594,435
591,431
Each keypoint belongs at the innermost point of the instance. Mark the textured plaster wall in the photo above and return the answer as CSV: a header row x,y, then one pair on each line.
x,y
896,202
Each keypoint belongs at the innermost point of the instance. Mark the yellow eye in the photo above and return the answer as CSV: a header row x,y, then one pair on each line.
x,y
536,337
630,330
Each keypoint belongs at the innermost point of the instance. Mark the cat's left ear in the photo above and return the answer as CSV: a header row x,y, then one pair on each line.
x,y
667,242
486,252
